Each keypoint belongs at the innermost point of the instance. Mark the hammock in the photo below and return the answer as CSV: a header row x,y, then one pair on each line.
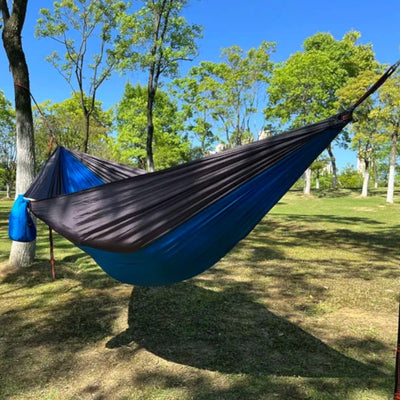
x,y
167,226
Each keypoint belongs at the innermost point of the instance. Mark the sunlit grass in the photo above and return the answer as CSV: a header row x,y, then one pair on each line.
x,y
304,308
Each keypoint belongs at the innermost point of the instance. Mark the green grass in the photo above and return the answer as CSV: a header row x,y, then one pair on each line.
x,y
304,308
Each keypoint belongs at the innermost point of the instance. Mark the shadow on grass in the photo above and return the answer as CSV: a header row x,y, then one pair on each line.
x,y
229,333
41,337
380,243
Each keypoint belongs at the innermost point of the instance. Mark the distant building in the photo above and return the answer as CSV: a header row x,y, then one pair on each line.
x,y
263,134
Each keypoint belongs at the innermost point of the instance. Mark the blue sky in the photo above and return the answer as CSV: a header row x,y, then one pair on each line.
x,y
243,22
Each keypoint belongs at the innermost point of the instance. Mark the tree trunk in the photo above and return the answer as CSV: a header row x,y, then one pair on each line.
x,y
87,132
375,169
307,183
392,166
334,168
8,191
150,130
22,254
364,191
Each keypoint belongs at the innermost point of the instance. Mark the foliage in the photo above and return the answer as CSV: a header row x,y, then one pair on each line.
x,y
175,39
68,126
226,94
79,26
388,114
7,142
170,147
368,135
350,178
303,88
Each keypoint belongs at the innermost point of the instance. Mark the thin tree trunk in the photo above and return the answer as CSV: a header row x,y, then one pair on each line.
x,y
22,254
392,167
150,130
375,169
87,132
307,183
334,168
8,191
364,191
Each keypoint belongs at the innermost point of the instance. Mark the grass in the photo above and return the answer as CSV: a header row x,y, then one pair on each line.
x,y
304,308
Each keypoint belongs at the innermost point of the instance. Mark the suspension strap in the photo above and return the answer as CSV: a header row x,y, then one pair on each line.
x,y
52,140
46,122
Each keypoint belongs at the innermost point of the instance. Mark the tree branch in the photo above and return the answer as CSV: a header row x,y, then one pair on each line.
x,y
19,12
4,10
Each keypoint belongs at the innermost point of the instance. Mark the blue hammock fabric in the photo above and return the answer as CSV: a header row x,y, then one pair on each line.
x,y
163,227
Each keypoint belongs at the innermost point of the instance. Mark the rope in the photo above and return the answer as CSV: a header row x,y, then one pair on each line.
x,y
46,122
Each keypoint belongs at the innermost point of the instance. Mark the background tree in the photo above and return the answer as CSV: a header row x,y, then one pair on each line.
x,y
157,39
368,135
171,147
22,254
303,89
79,26
318,167
389,114
229,92
8,153
196,106
68,125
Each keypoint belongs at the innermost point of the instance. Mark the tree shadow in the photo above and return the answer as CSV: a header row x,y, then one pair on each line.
x,y
40,340
228,332
381,244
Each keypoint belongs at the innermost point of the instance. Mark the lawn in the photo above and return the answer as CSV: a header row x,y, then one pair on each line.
x,y
304,308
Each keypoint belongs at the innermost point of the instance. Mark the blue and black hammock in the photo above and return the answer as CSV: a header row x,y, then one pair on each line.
x,y
166,226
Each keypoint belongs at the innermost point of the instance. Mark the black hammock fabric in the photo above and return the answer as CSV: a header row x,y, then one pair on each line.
x,y
165,226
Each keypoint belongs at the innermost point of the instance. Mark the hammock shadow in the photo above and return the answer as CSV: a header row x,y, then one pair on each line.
x,y
229,333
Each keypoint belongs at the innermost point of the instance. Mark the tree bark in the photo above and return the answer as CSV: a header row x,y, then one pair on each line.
x,y
8,191
334,168
150,130
392,167
364,191
375,169
307,183
87,132
22,254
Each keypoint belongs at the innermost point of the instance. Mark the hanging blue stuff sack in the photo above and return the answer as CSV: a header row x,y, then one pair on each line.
x,y
21,227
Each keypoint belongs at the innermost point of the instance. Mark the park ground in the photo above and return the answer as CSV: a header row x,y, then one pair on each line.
x,y
304,308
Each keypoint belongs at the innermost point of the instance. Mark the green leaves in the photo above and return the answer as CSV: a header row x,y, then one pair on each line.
x,y
170,146
226,94
303,89
157,36
86,31
68,125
